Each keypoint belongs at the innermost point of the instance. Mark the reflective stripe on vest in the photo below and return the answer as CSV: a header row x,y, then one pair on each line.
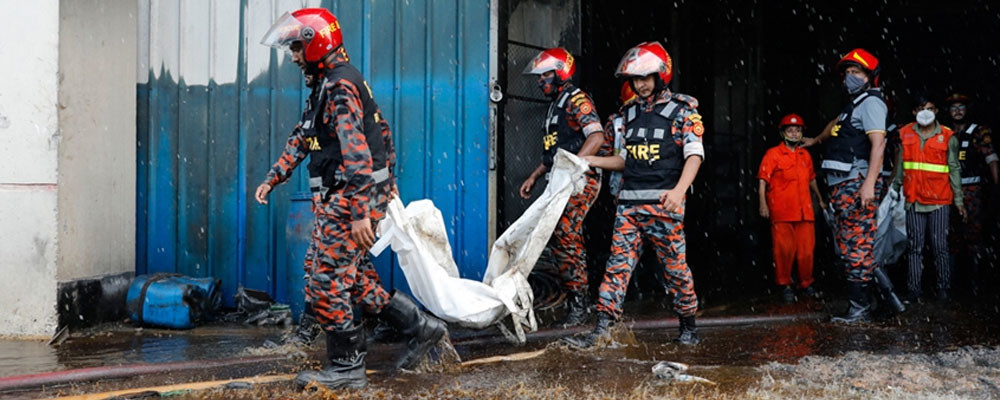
x,y
836,165
380,175
972,180
923,166
648,194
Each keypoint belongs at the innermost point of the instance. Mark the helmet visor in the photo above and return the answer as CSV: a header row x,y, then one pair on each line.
x,y
285,31
638,62
541,64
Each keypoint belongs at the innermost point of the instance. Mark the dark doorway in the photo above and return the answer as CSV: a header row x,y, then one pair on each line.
x,y
749,63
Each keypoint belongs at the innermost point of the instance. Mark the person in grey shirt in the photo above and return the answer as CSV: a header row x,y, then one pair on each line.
x,y
852,163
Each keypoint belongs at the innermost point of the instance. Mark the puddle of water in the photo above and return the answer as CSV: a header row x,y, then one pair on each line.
x,y
728,355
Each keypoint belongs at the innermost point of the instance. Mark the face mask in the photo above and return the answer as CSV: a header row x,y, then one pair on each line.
x,y
925,117
547,85
854,84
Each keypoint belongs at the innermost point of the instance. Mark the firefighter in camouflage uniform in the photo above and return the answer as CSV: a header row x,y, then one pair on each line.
x,y
344,136
852,163
308,328
979,162
663,151
572,124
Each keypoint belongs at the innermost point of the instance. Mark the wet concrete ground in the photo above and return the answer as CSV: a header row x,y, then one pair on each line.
x,y
737,358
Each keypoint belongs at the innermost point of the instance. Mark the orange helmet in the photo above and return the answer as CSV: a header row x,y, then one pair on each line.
x,y
627,94
860,58
316,28
791,120
556,59
644,59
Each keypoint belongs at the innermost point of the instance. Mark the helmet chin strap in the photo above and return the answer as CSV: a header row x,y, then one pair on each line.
x,y
554,85
658,85
315,69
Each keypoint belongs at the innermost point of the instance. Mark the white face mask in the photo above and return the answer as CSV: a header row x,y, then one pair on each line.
x,y
925,117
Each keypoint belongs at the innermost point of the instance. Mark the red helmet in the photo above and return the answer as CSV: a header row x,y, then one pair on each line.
x,y
644,59
557,59
316,28
860,58
627,94
956,98
791,120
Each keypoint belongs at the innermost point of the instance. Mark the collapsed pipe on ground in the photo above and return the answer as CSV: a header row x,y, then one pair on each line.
x,y
486,337
62,378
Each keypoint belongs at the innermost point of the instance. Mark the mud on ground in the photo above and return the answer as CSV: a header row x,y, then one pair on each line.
x,y
965,373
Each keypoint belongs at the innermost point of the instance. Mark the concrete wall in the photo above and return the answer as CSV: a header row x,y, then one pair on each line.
x,y
97,61
67,152
29,144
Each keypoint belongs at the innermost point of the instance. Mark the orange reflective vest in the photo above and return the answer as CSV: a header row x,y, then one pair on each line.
x,y
925,168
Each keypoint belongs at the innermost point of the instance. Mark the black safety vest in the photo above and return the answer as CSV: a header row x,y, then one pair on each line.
x,y
558,133
653,162
892,146
325,156
848,143
972,161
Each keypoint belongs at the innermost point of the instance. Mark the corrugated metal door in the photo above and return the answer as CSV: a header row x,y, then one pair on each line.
x,y
215,109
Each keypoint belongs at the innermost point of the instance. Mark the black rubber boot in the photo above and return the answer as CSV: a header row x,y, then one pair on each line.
x,y
689,332
577,311
587,340
812,293
788,295
383,333
885,289
420,330
305,332
346,351
858,310
973,270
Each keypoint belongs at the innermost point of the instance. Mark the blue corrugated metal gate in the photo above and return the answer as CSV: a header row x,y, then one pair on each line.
x,y
212,120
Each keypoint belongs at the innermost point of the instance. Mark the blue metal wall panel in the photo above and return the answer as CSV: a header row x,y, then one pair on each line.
x,y
473,54
204,147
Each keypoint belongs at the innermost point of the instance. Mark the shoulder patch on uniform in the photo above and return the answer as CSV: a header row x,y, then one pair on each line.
x,y
698,127
690,101
586,108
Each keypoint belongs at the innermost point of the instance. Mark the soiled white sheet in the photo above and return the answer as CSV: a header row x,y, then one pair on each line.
x,y
417,234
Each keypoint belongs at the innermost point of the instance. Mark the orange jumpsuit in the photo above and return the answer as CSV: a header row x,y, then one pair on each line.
x,y
788,173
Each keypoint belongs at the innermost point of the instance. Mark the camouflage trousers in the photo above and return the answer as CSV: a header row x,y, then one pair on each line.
x,y
636,226
335,279
967,237
382,197
854,234
566,251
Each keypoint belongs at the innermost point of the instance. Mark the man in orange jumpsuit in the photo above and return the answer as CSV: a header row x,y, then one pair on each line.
x,y
786,178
